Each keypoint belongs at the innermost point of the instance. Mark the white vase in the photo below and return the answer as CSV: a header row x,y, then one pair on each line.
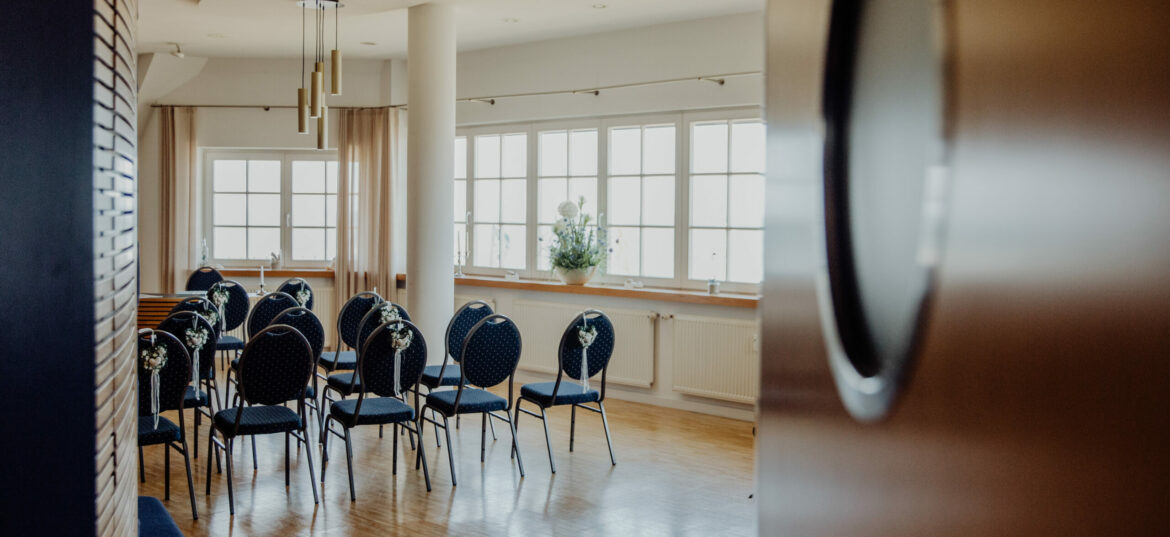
x,y
575,276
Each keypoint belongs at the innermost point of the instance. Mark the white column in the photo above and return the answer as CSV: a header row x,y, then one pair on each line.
x,y
430,168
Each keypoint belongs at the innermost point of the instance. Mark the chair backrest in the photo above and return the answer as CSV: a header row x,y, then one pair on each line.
x,y
307,324
172,379
461,323
373,319
350,317
294,286
490,351
203,307
266,309
600,350
203,278
376,361
235,311
275,366
179,323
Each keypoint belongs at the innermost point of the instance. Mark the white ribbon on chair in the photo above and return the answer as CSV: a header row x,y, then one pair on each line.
x,y
400,339
585,335
196,338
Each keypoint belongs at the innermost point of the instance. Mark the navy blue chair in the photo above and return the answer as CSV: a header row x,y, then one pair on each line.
x,y
294,287
348,322
172,386
203,278
447,374
376,368
263,312
488,357
204,307
566,392
349,382
154,520
196,396
275,368
307,323
232,313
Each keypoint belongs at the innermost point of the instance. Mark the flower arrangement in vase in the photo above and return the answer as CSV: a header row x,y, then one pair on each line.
x,y
577,249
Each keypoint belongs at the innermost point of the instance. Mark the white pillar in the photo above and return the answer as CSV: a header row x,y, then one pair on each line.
x,y
430,168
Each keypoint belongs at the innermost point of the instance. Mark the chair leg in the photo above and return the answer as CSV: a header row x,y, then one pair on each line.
x,y
394,459
450,449
167,471
379,431
211,452
190,481
605,423
516,445
286,461
572,426
547,441
255,465
418,425
324,459
483,436
492,425
141,466
515,423
198,422
435,421
231,491
349,464
422,456
309,456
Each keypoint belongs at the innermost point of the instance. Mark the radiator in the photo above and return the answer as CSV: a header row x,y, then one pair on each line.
x,y
716,358
542,324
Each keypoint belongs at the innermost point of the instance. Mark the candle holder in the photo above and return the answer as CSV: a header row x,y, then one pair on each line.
x,y
460,258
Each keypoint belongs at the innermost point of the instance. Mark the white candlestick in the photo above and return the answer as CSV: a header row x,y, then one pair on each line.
x,y
261,275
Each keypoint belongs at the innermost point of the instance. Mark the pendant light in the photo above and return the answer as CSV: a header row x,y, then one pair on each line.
x,y
335,79
323,128
303,92
316,96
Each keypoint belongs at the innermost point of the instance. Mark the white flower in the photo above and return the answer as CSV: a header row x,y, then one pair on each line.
x,y
567,209
560,226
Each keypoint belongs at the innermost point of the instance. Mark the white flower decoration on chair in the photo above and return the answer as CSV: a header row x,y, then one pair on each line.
x,y
196,338
303,295
585,335
568,209
219,297
388,312
154,359
400,338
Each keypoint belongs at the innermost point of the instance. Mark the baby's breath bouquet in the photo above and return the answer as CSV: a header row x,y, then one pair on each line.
x,y
577,247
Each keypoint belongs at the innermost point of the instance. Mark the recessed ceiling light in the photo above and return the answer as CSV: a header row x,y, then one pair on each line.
x,y
511,20
599,6
217,36
368,43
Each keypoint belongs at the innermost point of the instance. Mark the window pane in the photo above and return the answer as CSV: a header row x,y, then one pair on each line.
x,y
623,260
487,247
230,176
553,153
461,158
515,155
709,148
625,151
331,210
308,177
658,201
459,242
331,243
487,156
264,209
230,243
747,147
263,241
746,256
747,201
230,210
263,176
308,243
625,199
308,210
585,187
583,152
708,254
544,236
709,200
512,198
658,252
460,201
331,177
658,154
487,201
512,247
551,193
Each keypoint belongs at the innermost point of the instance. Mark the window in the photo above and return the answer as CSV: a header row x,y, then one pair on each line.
x,y
567,171
499,201
272,202
641,200
461,213
727,201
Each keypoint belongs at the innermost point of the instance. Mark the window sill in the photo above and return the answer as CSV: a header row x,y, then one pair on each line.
x,y
277,273
735,300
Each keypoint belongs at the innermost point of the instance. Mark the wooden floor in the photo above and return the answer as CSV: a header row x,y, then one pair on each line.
x,y
678,473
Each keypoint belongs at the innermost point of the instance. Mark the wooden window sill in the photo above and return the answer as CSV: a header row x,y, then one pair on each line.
x,y
278,273
735,300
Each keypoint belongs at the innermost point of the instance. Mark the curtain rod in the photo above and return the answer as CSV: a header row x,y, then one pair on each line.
x,y
719,79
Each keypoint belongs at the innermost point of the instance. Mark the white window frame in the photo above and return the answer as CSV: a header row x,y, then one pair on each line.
x,y
469,266
286,157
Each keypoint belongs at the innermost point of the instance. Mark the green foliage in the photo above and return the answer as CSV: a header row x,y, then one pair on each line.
x,y
576,244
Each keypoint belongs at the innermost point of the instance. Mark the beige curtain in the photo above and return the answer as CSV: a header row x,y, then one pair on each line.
x,y
367,152
177,218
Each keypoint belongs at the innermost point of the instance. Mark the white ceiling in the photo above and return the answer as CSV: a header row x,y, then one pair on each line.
x,y
272,28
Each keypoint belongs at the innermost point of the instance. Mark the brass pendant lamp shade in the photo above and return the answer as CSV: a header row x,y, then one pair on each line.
x,y
323,128
335,79
316,97
302,110
311,97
